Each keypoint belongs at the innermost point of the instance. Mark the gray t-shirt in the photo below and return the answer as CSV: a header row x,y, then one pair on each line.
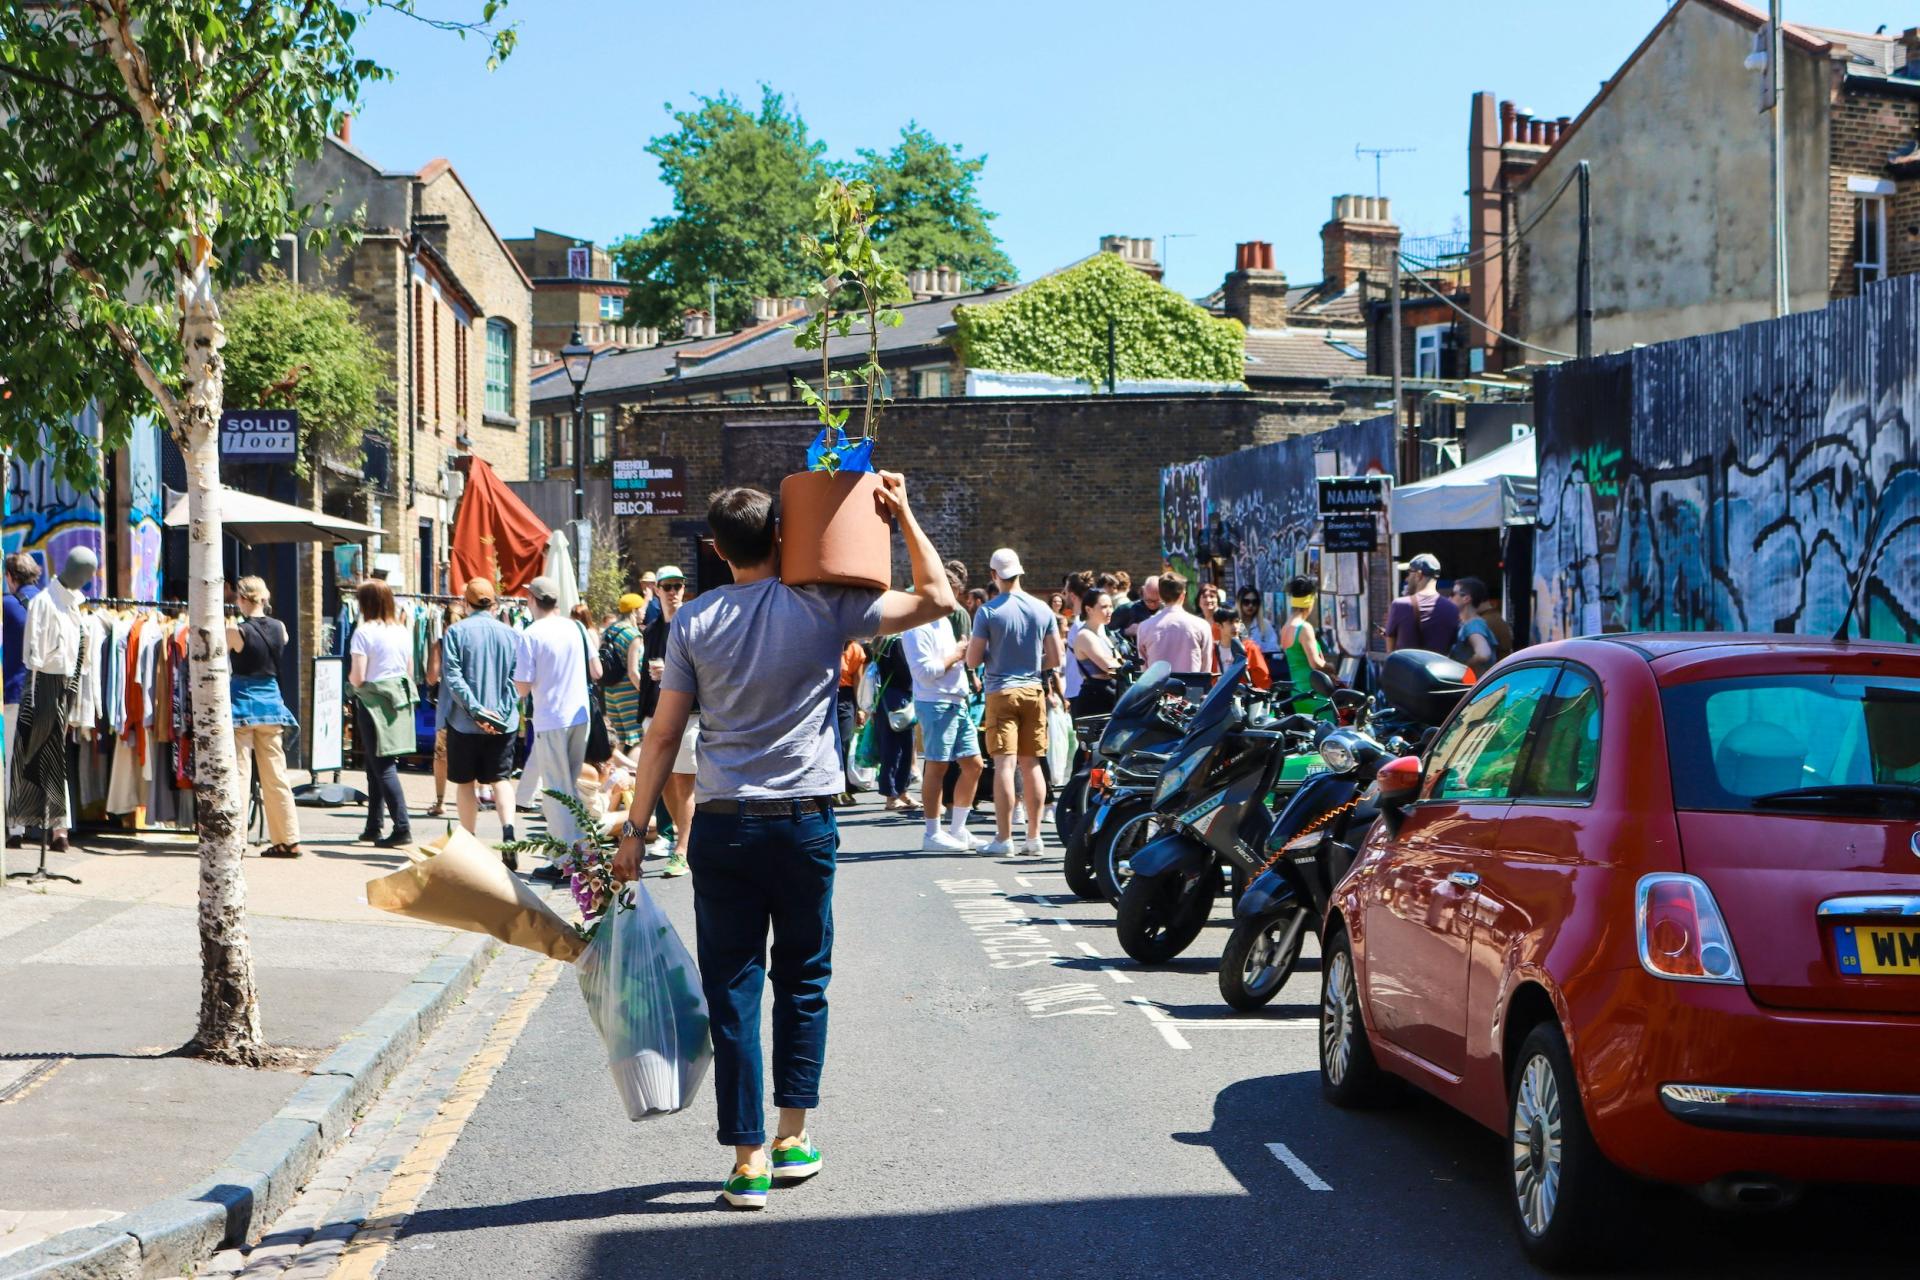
x,y
763,659
1016,626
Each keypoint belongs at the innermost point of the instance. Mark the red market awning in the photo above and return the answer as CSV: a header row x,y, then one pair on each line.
x,y
495,535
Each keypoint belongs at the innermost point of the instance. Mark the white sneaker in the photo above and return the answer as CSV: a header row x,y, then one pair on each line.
x,y
941,842
966,837
997,848
1033,847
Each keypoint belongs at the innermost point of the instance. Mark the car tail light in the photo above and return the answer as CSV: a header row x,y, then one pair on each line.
x,y
1681,932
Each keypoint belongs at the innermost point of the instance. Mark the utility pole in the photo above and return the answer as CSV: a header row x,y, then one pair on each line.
x,y
1777,86
1377,153
1584,300
1393,294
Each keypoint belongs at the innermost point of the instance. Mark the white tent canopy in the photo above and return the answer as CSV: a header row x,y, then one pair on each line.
x,y
254,519
1487,493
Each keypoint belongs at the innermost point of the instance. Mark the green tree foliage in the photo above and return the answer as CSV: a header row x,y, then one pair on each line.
x,y
607,573
927,212
743,187
1059,325
149,145
303,348
850,277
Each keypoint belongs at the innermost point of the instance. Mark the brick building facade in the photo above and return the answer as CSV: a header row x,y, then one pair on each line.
x,y
1070,482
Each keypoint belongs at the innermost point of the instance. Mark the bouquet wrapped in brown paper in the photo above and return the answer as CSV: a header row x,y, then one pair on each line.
x,y
459,882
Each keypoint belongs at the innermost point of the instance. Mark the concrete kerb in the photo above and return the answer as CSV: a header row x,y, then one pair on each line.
x,y
263,1175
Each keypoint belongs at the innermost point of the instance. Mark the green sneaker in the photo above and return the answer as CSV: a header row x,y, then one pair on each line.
x,y
676,864
795,1158
747,1189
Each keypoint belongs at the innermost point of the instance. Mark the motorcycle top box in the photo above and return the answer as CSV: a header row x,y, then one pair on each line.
x,y
1423,686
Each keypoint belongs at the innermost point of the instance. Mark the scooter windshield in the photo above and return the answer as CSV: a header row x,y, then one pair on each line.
x,y
1144,695
1219,701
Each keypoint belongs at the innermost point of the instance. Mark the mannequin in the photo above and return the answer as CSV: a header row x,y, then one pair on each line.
x,y
54,656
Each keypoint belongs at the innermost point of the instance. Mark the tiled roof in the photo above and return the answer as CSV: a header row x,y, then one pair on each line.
x,y
1304,354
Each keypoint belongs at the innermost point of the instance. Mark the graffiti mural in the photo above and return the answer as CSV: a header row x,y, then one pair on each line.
x,y
1257,509
144,503
1764,479
47,518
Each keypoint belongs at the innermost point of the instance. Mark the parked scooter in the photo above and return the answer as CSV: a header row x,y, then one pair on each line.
x,y
1130,821
1212,797
1318,835
1141,729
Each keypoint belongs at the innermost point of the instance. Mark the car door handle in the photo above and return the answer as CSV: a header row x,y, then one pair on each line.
x,y
1465,879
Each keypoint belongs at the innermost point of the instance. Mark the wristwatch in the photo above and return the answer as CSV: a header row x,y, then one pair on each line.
x,y
630,832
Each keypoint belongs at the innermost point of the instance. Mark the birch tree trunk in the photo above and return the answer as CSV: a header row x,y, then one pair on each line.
x,y
229,1028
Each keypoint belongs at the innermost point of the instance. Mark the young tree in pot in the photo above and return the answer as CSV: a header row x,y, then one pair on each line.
x,y
832,526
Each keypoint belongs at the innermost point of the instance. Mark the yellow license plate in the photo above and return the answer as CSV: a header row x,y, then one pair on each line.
x,y
1868,949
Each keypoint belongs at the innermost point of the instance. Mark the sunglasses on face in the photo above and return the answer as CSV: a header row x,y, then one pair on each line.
x,y
673,586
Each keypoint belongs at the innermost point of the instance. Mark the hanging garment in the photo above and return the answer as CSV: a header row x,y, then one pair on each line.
x,y
37,790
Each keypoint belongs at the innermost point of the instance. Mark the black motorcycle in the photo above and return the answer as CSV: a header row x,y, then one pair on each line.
x,y
1139,732
1212,802
1318,835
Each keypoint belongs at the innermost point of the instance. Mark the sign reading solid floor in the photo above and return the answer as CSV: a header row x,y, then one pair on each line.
x,y
1343,494
259,435
649,487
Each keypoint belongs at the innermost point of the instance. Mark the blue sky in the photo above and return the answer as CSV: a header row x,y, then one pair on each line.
x,y
1211,122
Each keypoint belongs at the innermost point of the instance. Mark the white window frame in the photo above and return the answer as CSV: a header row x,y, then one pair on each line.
x,y
499,368
612,307
1869,222
1428,340
599,436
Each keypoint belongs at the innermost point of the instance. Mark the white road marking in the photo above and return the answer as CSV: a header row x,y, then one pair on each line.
x,y
1066,999
1115,974
1286,1157
1161,1022
1065,925
1023,882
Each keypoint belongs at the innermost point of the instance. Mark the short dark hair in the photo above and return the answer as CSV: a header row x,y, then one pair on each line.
x,y
1172,588
1475,590
1224,614
742,523
1108,582
1091,596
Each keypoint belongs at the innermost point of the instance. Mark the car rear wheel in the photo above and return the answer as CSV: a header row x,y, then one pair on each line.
x,y
1565,1194
1349,1076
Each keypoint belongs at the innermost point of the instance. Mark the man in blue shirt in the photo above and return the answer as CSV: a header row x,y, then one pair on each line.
x,y
481,708
1017,641
23,584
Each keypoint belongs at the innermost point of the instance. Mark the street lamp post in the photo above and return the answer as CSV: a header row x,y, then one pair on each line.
x,y
578,359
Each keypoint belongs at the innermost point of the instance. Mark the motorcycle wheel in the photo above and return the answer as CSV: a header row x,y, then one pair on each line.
x,y
1161,916
1078,860
1070,805
1128,829
1252,967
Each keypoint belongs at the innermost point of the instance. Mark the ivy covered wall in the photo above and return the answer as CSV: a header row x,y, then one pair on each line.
x,y
1059,325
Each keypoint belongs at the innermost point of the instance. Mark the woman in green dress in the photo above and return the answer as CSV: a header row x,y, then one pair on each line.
x,y
1302,647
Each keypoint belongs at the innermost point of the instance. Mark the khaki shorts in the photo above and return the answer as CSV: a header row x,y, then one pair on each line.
x,y
1016,722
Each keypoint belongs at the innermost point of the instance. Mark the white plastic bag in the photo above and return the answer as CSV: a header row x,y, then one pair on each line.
x,y
643,993
867,692
1062,746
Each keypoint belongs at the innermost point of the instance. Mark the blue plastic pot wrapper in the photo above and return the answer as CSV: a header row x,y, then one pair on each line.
x,y
831,452
644,996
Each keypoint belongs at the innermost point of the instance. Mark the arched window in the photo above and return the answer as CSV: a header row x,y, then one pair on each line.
x,y
500,368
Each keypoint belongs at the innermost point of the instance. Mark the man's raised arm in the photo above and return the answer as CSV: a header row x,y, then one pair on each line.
x,y
932,595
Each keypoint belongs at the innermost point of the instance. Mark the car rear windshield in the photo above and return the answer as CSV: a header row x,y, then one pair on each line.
x,y
1733,741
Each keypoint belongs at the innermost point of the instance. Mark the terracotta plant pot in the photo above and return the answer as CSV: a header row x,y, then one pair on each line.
x,y
832,530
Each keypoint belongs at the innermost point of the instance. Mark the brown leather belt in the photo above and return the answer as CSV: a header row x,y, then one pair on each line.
x,y
767,808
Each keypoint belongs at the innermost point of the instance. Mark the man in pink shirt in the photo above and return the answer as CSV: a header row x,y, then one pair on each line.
x,y
1174,636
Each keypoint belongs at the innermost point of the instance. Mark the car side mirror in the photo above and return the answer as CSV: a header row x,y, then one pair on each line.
x,y
1398,782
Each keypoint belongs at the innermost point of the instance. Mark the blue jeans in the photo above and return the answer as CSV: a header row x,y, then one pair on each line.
x,y
748,873
896,756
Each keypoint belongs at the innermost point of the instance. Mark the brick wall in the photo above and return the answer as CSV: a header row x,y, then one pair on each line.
x,y
1867,129
1069,482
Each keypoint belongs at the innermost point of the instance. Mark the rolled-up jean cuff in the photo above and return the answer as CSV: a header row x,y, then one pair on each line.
x,y
804,1101
755,1138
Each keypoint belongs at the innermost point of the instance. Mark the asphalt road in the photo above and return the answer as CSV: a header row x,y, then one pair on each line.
x,y
1007,1095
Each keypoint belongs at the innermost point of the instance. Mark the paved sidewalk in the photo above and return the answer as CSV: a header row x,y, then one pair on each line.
x,y
99,984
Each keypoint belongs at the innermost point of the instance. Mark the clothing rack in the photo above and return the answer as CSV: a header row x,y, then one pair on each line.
x,y
167,606
438,599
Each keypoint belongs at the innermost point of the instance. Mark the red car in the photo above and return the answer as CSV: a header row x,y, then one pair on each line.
x,y
1651,907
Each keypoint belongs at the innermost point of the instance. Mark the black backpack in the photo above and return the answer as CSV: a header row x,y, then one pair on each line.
x,y
613,663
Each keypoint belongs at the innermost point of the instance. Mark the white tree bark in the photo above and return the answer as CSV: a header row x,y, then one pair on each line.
x,y
229,1028
229,1023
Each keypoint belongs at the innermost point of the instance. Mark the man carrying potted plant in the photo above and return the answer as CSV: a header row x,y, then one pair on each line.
x,y
763,660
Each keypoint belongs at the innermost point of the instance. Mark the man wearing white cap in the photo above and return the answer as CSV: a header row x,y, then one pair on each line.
x,y
1016,640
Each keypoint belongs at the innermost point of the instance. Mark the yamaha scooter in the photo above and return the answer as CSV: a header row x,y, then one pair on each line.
x,y
1213,802
1317,836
